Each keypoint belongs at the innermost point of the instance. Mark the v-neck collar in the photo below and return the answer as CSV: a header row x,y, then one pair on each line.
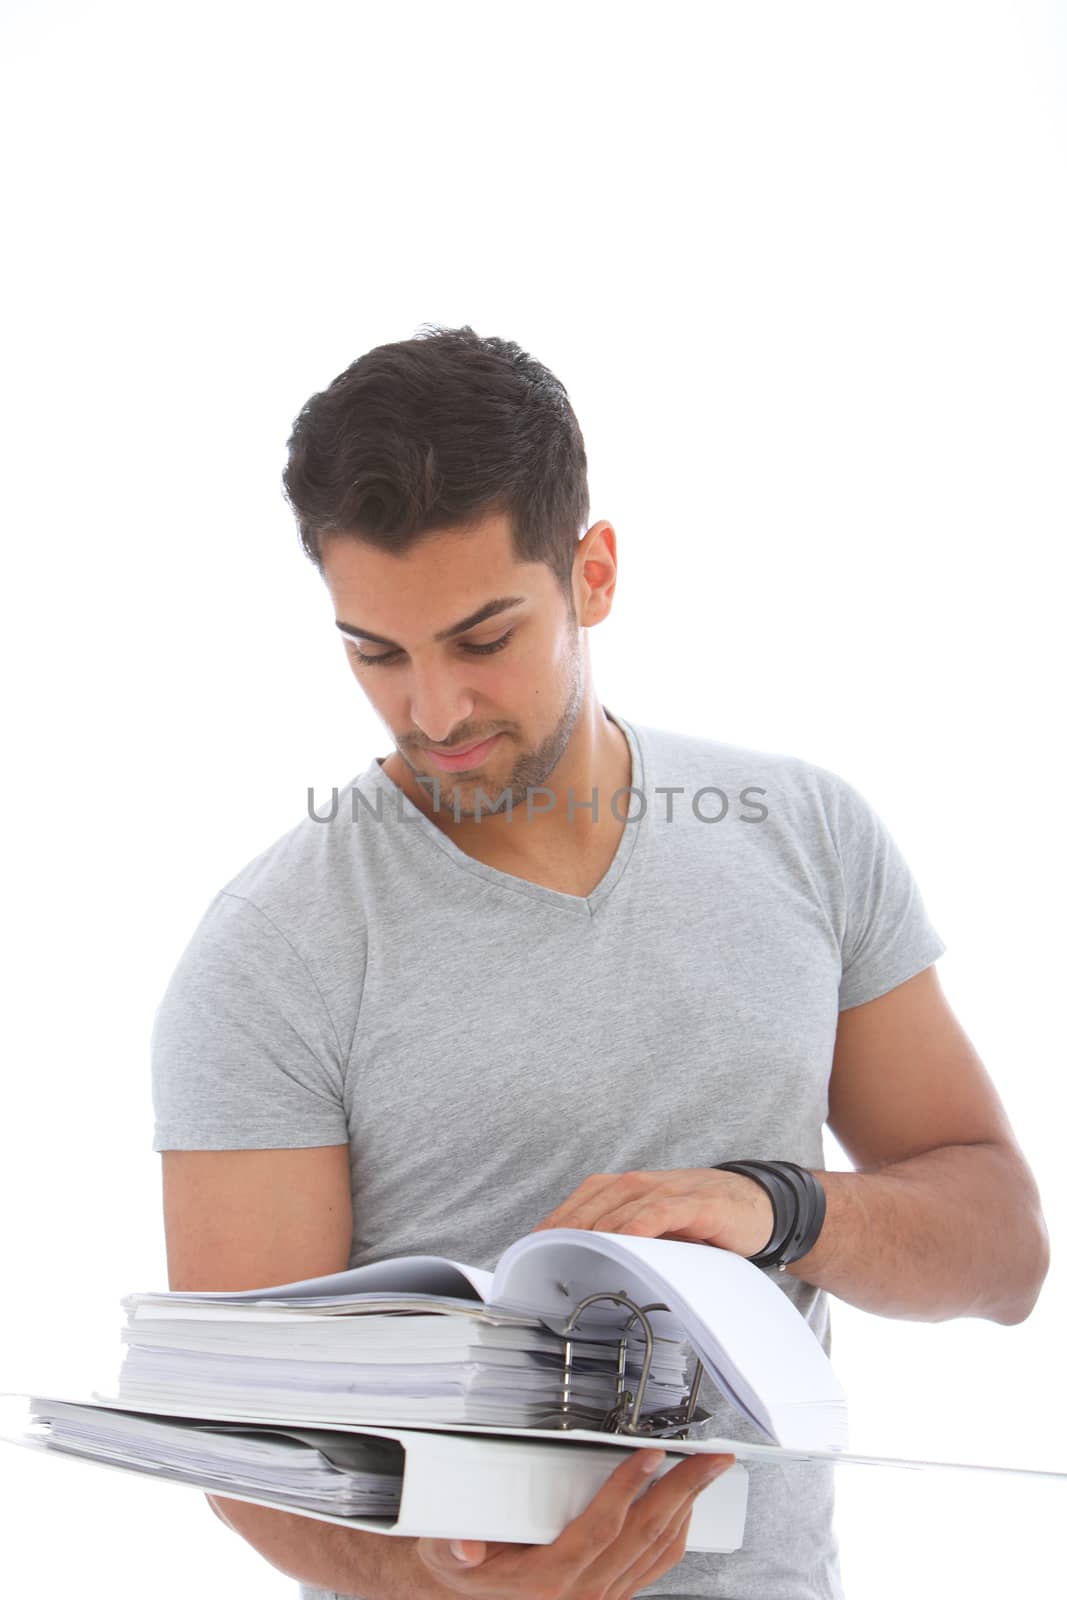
x,y
582,905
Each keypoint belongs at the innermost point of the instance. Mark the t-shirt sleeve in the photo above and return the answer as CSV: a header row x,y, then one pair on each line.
x,y
244,1053
888,936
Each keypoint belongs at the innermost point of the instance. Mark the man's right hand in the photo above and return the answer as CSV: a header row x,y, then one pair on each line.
x,y
610,1552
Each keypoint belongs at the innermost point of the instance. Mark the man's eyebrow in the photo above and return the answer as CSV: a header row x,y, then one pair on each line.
x,y
490,609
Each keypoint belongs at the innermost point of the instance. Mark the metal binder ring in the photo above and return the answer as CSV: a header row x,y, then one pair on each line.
x,y
671,1419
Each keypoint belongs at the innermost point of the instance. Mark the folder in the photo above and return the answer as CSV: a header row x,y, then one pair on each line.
x,y
522,1487
511,1485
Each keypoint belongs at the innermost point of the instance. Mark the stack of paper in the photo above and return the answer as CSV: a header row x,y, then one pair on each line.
x,y
310,1469
421,1339
403,1358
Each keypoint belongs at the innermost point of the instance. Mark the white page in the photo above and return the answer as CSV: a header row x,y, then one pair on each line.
x,y
728,1307
172,1306
435,1275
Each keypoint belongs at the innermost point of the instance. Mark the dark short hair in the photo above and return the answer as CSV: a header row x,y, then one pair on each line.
x,y
425,434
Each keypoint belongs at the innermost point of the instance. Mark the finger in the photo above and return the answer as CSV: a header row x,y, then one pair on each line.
x,y
581,1202
599,1525
665,1550
442,1556
689,1475
613,1529
654,1562
691,1217
468,1552
572,1549
603,1194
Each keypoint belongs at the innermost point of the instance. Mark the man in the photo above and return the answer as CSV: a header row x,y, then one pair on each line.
x,y
542,966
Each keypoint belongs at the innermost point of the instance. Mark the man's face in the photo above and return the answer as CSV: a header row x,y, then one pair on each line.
x,y
523,692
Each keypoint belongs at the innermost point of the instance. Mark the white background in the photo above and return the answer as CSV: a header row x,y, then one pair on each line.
x,y
801,269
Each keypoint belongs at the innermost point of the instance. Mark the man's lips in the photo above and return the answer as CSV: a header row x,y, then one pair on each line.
x,y
459,760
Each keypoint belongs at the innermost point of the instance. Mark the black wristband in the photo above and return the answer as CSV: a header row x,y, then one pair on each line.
x,y
798,1201
811,1199
784,1203
805,1204
813,1213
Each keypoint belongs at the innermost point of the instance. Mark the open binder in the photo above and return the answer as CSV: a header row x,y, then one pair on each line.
x,y
596,1299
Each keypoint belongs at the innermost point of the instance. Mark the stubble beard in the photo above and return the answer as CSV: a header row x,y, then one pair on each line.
x,y
532,768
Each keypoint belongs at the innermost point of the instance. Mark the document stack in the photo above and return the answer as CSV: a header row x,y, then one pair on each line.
x,y
420,1395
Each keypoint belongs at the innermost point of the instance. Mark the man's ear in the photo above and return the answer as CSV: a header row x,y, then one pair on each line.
x,y
596,573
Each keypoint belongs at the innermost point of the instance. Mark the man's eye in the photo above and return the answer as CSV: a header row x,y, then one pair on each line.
x,y
474,649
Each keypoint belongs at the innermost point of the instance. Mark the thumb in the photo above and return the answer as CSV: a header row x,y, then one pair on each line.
x,y
470,1552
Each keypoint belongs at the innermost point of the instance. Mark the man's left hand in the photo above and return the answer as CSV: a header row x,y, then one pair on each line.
x,y
696,1204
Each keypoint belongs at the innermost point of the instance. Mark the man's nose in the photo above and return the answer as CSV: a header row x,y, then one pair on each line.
x,y
440,702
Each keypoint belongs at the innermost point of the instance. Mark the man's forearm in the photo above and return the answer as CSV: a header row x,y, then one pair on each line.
x,y
347,1561
955,1232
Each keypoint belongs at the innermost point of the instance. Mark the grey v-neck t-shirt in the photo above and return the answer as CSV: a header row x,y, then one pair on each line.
x,y
483,1044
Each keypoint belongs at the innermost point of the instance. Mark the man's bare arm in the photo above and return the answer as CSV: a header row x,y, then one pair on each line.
x,y
954,1232
943,1217
242,1219
345,1561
